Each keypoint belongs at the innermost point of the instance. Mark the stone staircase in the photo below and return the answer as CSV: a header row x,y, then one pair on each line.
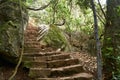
x,y
50,65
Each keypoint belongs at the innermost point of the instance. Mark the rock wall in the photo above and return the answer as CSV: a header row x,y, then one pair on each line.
x,y
11,29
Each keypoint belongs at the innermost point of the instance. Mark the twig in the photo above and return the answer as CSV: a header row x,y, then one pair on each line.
x,y
41,8
99,17
101,8
54,10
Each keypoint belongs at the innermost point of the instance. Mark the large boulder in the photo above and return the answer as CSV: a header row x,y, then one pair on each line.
x,y
11,29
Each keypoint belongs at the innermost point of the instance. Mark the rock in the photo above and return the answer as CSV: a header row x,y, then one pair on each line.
x,y
11,30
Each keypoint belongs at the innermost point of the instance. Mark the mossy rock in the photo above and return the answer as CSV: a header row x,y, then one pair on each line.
x,y
11,30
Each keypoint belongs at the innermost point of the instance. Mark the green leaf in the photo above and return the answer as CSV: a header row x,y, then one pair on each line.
x,y
109,48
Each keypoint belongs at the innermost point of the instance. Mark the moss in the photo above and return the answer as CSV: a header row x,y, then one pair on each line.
x,y
27,64
11,29
56,37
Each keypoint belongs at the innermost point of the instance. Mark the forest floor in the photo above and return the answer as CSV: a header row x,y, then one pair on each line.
x,y
89,63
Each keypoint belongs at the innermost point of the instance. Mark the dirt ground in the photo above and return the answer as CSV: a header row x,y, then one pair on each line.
x,y
6,71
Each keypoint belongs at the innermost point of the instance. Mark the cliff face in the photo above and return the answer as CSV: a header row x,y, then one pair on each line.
x,y
11,29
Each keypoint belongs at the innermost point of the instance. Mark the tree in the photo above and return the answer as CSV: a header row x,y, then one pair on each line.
x,y
99,59
111,47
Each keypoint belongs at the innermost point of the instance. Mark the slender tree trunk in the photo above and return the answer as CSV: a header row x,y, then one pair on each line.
x,y
99,58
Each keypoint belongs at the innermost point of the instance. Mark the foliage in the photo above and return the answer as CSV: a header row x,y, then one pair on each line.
x,y
84,4
77,14
56,38
111,51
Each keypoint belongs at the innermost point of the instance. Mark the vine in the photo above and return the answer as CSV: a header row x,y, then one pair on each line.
x,y
22,49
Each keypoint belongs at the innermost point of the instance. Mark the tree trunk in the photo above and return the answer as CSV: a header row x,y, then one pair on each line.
x,y
99,58
111,48
11,33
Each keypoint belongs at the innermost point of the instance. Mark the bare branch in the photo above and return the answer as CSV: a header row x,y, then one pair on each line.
x,y
41,8
100,17
101,8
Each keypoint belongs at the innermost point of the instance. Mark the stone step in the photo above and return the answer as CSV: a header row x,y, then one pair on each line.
x,y
55,72
50,64
31,50
27,39
79,76
31,29
61,63
30,35
31,43
39,72
46,58
58,57
42,53
34,64
31,46
66,71
30,40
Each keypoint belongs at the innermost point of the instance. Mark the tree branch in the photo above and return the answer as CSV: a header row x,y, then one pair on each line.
x,y
41,8
54,10
101,8
100,18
